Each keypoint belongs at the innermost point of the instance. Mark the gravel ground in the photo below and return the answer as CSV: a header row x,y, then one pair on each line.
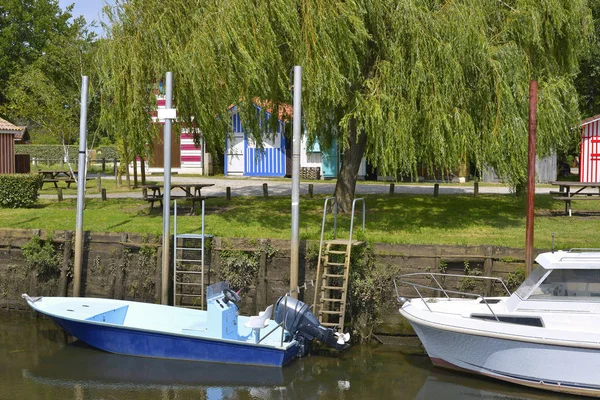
x,y
278,187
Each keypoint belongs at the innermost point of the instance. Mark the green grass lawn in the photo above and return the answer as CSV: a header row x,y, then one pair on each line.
x,y
410,219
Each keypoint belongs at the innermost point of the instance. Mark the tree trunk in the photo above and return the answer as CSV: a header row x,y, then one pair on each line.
x,y
135,179
142,170
346,181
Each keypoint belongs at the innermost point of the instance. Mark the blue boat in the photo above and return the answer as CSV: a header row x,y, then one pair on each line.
x,y
218,334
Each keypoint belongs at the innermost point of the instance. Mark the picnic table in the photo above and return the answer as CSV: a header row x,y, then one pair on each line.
x,y
55,176
579,192
191,192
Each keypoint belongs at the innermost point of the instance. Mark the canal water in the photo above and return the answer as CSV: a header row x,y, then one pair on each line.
x,y
38,361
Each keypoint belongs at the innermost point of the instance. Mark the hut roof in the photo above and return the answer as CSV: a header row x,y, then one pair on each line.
x,y
590,120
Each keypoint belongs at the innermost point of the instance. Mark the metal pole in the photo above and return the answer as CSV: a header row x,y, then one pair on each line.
x,y
167,193
80,189
296,179
533,89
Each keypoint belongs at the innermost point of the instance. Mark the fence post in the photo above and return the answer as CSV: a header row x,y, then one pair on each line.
x,y
103,194
99,182
436,190
103,164
265,190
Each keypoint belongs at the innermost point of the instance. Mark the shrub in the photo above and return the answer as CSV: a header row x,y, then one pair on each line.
x,y
19,190
56,152
42,258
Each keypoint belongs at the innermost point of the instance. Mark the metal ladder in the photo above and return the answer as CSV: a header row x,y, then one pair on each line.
x,y
333,269
187,268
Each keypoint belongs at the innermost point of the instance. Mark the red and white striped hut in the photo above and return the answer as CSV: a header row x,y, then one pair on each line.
x,y
7,146
589,153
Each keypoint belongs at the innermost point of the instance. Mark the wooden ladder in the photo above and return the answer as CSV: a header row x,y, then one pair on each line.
x,y
333,271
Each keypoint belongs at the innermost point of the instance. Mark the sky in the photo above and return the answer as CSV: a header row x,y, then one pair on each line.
x,y
90,9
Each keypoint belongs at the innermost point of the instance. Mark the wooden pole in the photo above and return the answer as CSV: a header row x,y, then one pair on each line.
x,y
533,89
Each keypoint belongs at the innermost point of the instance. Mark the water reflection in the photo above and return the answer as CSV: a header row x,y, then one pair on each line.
x,y
35,362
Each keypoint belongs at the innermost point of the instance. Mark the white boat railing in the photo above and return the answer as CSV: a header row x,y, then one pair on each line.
x,y
405,279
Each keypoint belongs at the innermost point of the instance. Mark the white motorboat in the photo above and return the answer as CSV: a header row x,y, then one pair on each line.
x,y
545,335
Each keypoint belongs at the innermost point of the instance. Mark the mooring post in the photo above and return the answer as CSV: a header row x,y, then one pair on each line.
x,y
77,266
533,91
166,236
296,138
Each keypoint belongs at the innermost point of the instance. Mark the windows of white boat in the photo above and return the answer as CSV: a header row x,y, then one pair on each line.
x,y
511,319
580,284
532,282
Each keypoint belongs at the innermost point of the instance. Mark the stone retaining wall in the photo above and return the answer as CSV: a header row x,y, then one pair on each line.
x,y
128,266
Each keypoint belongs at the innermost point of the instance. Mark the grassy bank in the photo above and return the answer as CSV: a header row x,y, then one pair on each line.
x,y
452,219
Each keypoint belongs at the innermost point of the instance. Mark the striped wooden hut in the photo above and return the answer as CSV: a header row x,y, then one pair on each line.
x,y
589,153
8,132
244,157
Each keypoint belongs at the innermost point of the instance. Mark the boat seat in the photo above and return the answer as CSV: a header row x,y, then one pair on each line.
x,y
260,321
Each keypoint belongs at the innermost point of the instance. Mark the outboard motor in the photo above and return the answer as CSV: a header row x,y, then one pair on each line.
x,y
301,322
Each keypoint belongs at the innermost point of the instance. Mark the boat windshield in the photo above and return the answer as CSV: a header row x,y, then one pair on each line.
x,y
532,282
577,284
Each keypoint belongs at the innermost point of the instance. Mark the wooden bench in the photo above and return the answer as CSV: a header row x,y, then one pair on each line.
x,y
49,180
159,198
69,181
568,199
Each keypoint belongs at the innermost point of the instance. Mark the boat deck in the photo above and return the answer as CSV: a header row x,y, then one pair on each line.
x,y
152,317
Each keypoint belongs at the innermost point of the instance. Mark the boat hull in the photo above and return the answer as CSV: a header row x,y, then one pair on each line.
x,y
559,368
135,342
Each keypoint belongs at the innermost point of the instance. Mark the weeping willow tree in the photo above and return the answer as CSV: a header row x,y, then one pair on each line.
x,y
402,83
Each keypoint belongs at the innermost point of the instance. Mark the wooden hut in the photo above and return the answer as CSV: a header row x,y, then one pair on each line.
x,y
8,132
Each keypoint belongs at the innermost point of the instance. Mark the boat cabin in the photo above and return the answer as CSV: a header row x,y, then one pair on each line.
x,y
561,276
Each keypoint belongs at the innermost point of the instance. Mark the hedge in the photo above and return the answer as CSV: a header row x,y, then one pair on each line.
x,y
56,152
19,190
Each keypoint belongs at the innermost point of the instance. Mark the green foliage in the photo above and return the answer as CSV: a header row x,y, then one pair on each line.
x,y
45,90
42,258
443,267
423,81
27,30
469,284
239,268
57,152
369,291
588,78
19,190
515,279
